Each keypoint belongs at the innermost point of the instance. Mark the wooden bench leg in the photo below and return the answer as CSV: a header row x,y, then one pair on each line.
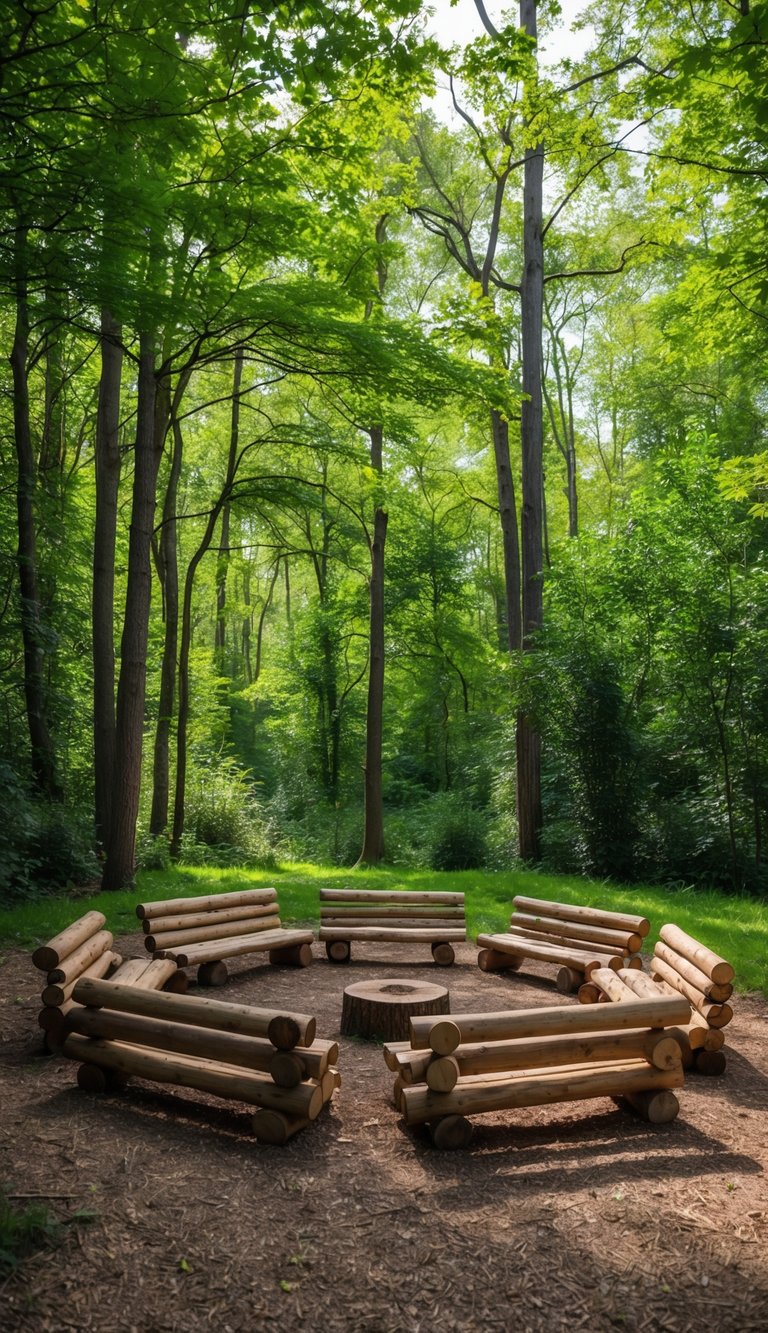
x,y
659,1107
568,982
92,1078
212,974
451,1131
178,984
294,955
493,960
443,954
338,951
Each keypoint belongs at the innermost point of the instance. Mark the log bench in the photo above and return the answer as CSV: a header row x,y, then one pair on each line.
x,y
349,915
266,1058
680,965
467,1064
85,949
578,939
202,932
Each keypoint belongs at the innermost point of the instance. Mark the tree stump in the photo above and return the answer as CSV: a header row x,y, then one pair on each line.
x,y
384,1008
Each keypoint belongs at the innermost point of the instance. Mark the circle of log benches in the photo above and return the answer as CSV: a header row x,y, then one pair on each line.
x,y
385,1008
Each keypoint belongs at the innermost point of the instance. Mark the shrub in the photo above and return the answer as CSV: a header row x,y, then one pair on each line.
x,y
460,840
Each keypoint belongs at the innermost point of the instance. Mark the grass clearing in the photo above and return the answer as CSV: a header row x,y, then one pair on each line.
x,y
736,927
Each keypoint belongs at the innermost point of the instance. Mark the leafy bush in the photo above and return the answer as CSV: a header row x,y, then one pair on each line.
x,y
460,840
224,822
42,846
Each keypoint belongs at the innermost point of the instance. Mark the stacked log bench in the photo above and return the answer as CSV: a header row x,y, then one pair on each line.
x,y
680,965
578,939
85,949
473,1063
267,1058
350,915
203,931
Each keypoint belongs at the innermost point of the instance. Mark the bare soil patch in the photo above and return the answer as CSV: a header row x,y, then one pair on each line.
x,y
570,1216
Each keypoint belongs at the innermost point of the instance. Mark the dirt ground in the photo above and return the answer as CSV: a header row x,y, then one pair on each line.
x,y
570,1216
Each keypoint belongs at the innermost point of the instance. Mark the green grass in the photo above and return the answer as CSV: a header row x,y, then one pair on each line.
x,y
735,927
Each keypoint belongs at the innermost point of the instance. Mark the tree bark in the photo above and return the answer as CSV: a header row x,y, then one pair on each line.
x,y
373,828
222,567
169,566
103,592
509,536
42,756
531,306
129,724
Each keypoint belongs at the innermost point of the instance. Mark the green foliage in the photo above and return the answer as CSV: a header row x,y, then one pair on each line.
x,y
225,823
23,1231
459,841
42,846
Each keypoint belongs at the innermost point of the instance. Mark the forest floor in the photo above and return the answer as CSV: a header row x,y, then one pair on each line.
x,y
569,1216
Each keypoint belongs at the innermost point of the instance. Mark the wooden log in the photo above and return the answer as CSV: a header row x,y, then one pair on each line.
x,y
177,906
292,1029
391,1050
388,915
717,1015
184,1071
611,985
710,1062
276,1128
177,939
588,993
568,980
193,954
76,962
90,1078
700,1035
492,960
442,1073
680,1036
129,972
715,967
540,1089
600,951
177,983
659,1047
397,1093
285,1068
385,934
384,1008
621,941
338,951
659,1107
550,1021
443,954
592,915
521,947
296,955
57,995
52,1020
48,956
644,987
163,925
451,1132
376,896
634,962
713,990
160,971
329,1084
213,974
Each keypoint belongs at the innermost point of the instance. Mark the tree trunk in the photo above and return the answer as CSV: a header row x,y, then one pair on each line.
x,y
531,306
42,755
169,565
222,568
373,829
509,538
129,726
103,593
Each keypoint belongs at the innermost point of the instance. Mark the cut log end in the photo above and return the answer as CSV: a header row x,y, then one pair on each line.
x,y
493,960
338,951
442,1073
443,954
588,992
568,981
657,1107
94,1079
212,974
712,1063
450,1132
285,1033
286,1069
275,1128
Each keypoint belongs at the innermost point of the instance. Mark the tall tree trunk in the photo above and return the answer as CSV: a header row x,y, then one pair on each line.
x,y
169,566
528,747
129,725
43,761
373,828
509,537
222,567
103,593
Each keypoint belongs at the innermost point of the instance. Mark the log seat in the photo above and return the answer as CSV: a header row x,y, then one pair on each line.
x,y
464,1064
680,965
269,1059
203,932
85,949
397,917
578,939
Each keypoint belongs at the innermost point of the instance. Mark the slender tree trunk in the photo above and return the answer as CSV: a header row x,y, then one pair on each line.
x,y
528,746
43,761
103,594
222,568
169,566
129,727
373,828
509,537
